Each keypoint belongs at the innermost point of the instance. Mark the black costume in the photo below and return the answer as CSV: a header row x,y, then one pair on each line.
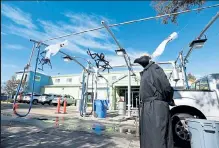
x,y
156,95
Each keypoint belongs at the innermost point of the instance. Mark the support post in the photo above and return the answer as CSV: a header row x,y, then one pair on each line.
x,y
184,71
129,94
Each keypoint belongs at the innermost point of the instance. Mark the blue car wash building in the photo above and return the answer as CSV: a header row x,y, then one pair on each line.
x,y
40,80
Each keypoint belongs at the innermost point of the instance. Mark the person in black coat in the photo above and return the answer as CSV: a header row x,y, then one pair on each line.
x,y
156,95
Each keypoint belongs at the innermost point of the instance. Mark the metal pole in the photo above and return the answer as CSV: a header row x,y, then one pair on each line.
x,y
125,56
129,94
130,22
31,55
202,33
128,63
184,71
86,93
95,89
111,33
183,60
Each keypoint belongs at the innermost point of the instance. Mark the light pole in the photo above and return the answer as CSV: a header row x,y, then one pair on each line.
x,y
121,52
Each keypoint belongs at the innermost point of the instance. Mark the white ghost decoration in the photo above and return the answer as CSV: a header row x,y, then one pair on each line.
x,y
52,50
162,46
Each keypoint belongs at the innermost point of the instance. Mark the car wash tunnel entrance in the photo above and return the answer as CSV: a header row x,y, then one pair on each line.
x,y
121,94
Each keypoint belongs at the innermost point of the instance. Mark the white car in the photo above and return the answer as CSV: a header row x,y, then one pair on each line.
x,y
70,100
27,98
46,98
200,101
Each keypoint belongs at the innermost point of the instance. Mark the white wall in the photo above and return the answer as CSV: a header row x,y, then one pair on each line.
x,y
75,79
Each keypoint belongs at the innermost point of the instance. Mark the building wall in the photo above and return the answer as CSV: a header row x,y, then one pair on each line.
x,y
71,84
65,80
40,81
62,90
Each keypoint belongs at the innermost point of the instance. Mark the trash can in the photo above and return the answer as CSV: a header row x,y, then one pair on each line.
x,y
100,108
203,133
122,108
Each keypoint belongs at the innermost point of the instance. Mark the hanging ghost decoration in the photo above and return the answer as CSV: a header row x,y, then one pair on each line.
x,y
163,44
52,50
49,51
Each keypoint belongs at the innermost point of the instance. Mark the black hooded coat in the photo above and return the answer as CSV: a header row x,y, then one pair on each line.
x,y
156,94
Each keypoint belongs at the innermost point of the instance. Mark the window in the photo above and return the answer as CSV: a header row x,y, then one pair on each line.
x,y
69,80
37,78
57,80
204,84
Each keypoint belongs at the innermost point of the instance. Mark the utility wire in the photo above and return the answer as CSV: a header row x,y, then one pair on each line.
x,y
133,21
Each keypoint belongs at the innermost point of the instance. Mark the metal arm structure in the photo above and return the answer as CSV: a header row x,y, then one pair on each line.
x,y
184,60
85,76
125,56
133,21
33,84
202,33
128,64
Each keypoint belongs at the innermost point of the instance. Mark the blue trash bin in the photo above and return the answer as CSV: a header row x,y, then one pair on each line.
x,y
100,108
204,133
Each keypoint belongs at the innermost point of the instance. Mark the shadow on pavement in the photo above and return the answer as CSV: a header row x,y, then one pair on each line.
x,y
5,105
56,138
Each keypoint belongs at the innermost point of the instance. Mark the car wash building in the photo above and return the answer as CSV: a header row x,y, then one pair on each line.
x,y
71,85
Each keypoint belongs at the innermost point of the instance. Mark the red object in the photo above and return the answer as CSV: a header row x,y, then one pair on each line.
x,y
57,122
65,104
20,97
15,107
58,107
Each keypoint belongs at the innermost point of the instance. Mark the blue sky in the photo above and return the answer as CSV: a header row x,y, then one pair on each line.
x,y
41,20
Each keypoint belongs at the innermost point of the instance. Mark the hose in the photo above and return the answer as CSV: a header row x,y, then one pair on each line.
x,y
33,86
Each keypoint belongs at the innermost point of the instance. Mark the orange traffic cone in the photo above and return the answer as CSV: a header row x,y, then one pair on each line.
x,y
65,104
58,107
15,106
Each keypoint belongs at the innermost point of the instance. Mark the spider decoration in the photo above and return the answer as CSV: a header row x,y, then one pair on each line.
x,y
49,51
44,60
100,60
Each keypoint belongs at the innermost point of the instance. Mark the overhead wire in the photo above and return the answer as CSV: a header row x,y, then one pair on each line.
x,y
130,22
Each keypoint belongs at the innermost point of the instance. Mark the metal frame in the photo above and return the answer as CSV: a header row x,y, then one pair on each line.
x,y
85,75
128,64
184,60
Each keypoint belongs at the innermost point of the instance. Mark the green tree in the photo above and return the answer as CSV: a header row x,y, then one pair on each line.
x,y
191,77
11,86
166,7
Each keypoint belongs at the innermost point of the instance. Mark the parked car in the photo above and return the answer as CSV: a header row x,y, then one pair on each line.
x,y
200,101
70,100
46,98
27,98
